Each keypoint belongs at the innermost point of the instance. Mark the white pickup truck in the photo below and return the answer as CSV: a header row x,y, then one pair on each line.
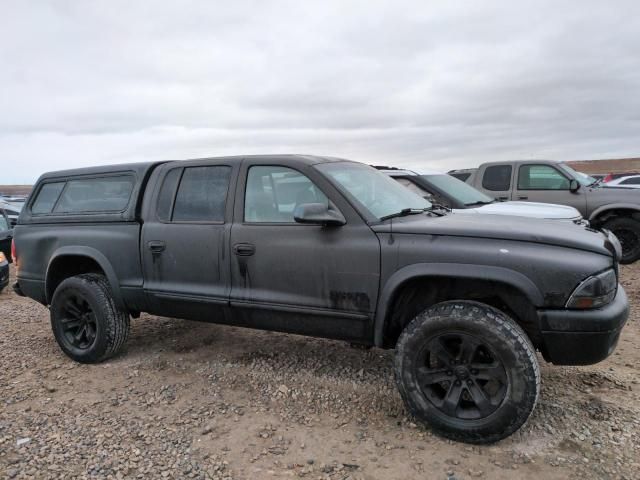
x,y
450,192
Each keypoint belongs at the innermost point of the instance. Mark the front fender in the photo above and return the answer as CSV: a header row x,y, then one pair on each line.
x,y
453,270
94,255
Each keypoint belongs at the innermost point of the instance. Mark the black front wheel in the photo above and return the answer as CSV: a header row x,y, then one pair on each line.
x,y
628,232
467,370
86,323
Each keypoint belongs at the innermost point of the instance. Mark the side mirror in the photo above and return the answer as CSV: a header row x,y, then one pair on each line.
x,y
573,185
318,214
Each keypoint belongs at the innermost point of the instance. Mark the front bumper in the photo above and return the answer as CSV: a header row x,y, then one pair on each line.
x,y
582,337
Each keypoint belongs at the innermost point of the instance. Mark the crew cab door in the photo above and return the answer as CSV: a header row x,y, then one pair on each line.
x,y
185,239
310,279
495,180
540,182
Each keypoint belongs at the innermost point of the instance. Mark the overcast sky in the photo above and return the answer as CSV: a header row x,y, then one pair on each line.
x,y
434,84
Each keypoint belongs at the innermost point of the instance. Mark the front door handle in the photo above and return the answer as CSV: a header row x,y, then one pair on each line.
x,y
244,249
523,197
503,198
156,247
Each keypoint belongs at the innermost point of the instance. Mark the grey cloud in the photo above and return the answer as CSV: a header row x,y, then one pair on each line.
x,y
407,83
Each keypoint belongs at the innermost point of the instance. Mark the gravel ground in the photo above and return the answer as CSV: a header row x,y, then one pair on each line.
x,y
193,400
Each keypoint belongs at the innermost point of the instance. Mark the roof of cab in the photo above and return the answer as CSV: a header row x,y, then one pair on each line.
x,y
143,167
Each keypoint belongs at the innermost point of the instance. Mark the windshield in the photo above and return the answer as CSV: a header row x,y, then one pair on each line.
x,y
582,178
457,189
371,190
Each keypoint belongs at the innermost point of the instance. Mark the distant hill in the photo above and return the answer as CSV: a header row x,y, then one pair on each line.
x,y
613,165
15,189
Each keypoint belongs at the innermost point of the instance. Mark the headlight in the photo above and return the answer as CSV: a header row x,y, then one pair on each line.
x,y
594,291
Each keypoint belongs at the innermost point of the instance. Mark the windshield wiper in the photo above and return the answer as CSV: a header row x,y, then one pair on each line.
x,y
403,213
479,202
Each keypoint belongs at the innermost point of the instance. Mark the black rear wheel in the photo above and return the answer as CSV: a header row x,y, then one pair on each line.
x,y
468,371
86,323
627,230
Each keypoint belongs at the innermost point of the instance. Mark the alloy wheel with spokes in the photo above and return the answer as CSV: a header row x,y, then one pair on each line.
x,y
79,322
461,376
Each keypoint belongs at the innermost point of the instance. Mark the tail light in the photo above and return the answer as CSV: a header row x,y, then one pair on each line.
x,y
13,253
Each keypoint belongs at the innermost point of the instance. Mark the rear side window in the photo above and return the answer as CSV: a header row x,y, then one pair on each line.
x,y
497,178
94,195
47,198
202,194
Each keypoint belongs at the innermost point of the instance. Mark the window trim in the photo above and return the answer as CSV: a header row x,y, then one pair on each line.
x,y
171,221
541,189
289,224
509,187
67,180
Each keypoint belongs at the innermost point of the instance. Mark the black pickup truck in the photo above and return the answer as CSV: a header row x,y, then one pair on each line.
x,y
332,248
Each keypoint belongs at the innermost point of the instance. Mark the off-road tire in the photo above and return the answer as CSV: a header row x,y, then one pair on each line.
x,y
628,232
500,334
111,323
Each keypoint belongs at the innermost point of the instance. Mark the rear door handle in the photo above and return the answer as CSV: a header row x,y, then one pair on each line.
x,y
523,197
244,249
156,247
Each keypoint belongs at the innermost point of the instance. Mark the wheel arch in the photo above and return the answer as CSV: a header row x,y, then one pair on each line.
x,y
437,275
605,212
75,260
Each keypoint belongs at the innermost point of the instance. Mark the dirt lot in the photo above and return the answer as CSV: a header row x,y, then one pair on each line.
x,y
190,400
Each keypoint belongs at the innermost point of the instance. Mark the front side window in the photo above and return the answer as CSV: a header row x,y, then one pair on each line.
x,y
373,191
541,177
202,194
4,225
497,178
47,198
90,195
273,193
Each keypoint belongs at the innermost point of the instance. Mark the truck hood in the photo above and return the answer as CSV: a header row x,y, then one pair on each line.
x,y
502,227
550,211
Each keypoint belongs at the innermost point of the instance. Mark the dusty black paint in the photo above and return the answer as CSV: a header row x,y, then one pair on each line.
x,y
350,301
350,282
